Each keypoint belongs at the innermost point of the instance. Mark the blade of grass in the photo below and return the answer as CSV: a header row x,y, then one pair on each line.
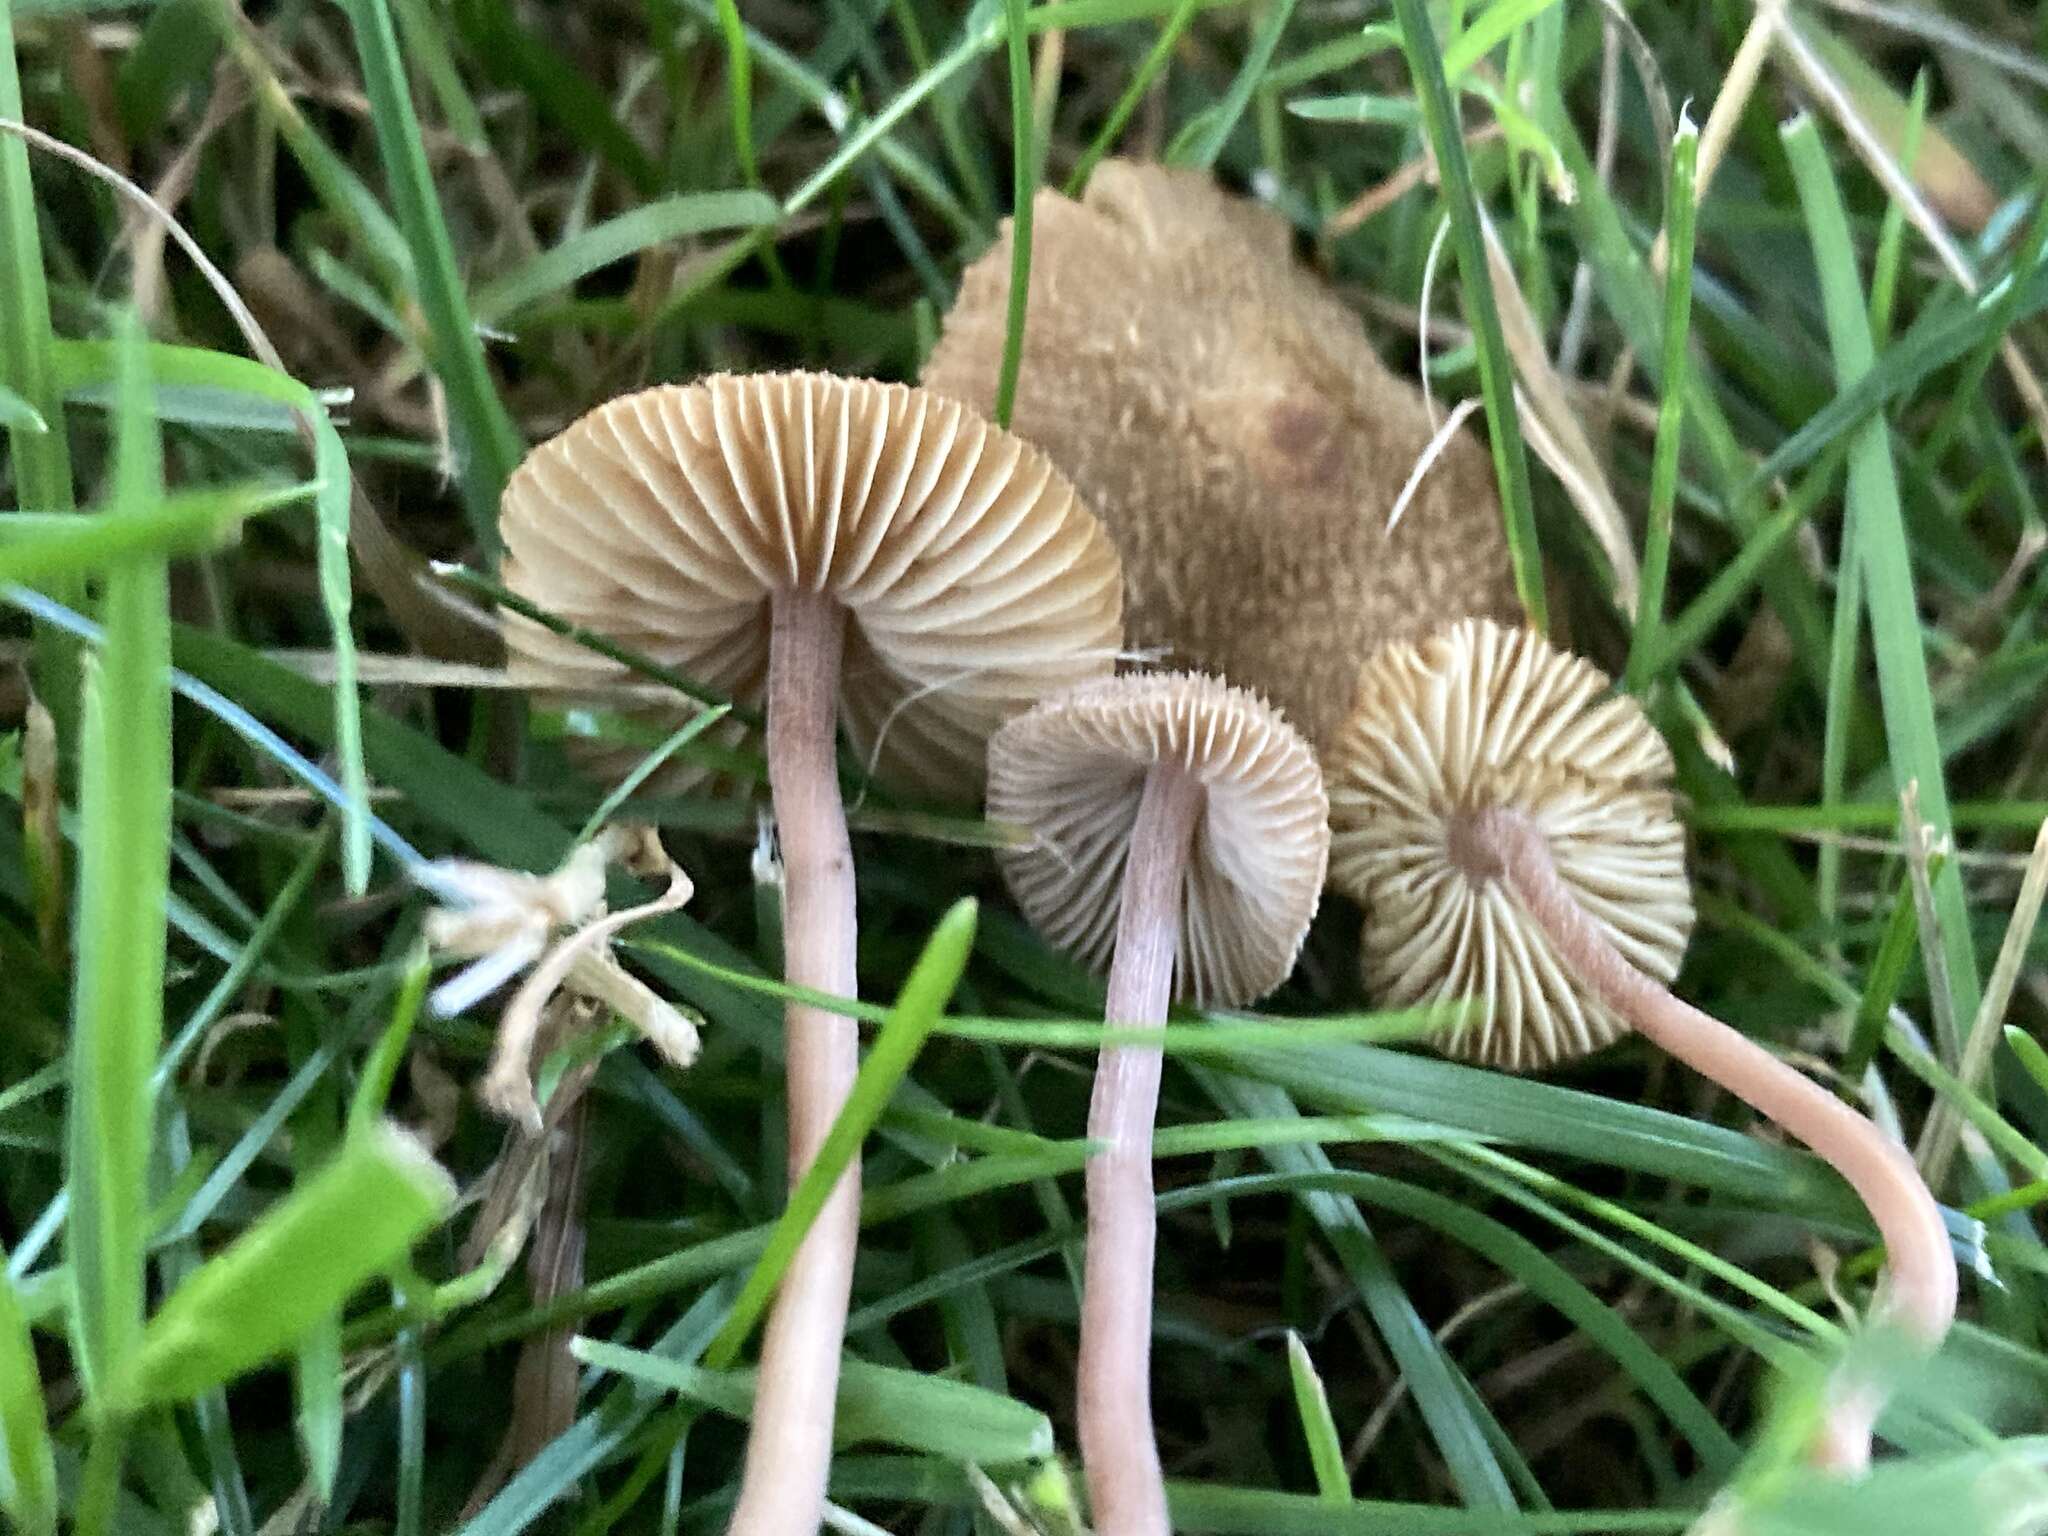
x,y
17,415
28,1473
314,715
426,42
1024,185
1548,1279
1496,373
1886,559
1938,1138
657,223
1691,627
42,456
124,870
338,187
902,1035
739,89
1678,226
621,792
1895,950
83,363
1141,81
57,550
299,1261
1203,140
599,1436
876,1403
1318,1429
380,1071
487,444
1456,1420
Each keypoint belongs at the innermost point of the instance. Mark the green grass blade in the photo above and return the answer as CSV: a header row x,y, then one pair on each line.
x,y
902,1035
878,1404
41,453
1212,130
2027,1050
1318,1429
42,458
657,223
1456,1420
124,817
380,1071
646,768
18,416
1885,555
58,549
296,1264
1225,1511
739,75
427,43
1488,31
1141,81
1678,224
1024,184
1895,951
1690,628
28,1474
524,60
317,1411
81,365
487,444
1496,371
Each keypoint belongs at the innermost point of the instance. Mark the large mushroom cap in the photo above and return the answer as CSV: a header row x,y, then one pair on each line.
x,y
1476,716
1073,770
1224,414
974,580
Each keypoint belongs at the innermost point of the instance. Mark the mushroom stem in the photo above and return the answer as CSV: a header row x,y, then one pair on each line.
x,y
789,1453
1922,1299
1126,1491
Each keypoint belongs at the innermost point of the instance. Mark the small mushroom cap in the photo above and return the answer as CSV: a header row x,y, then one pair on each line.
x,y
974,580
1073,770
1474,716
1224,414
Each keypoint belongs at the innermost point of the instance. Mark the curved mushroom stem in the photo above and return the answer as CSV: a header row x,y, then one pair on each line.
x,y
789,1453
1922,1299
1126,1491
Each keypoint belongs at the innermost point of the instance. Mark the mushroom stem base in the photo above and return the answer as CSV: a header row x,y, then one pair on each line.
x,y
1922,1295
789,1453
1126,1491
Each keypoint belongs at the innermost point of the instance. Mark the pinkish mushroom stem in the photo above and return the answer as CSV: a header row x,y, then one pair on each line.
x,y
1126,1491
1922,1299
789,1452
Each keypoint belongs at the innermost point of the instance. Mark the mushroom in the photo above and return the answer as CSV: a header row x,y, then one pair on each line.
x,y
1180,840
854,552
1227,419
1507,825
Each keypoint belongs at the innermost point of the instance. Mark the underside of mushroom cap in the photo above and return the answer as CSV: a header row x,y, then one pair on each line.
x,y
1224,414
1072,772
974,580
1475,716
